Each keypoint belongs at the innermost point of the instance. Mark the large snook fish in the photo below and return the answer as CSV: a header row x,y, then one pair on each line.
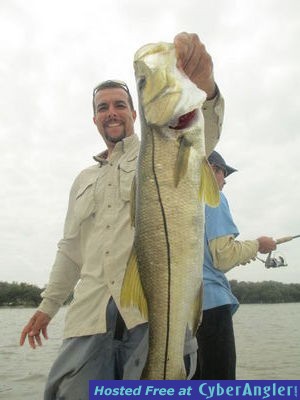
x,y
164,272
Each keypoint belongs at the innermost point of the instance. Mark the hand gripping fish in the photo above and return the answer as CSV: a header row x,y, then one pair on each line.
x,y
173,179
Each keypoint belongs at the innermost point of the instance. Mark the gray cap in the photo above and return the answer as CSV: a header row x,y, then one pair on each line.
x,y
216,159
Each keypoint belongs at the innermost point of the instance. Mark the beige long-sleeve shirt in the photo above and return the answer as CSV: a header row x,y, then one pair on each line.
x,y
98,236
228,253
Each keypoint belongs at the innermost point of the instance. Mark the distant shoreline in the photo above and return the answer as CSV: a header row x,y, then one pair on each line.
x,y
24,295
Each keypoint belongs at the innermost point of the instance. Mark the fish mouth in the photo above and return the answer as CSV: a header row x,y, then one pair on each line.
x,y
185,120
165,92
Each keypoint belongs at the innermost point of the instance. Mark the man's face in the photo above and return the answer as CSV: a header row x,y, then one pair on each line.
x,y
113,117
220,176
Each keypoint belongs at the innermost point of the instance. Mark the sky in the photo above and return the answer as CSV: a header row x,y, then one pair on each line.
x,y
53,52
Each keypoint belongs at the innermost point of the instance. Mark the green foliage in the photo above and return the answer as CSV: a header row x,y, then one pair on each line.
x,y
24,294
265,292
19,294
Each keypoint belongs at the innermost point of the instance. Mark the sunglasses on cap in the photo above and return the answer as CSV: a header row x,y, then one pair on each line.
x,y
112,84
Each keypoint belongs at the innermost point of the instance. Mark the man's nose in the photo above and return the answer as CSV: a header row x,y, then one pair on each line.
x,y
112,111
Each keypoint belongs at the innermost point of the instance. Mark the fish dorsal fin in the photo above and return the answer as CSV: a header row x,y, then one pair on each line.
x,y
132,201
209,190
132,293
182,160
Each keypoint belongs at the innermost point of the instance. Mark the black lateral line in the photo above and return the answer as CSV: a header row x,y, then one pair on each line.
x,y
168,255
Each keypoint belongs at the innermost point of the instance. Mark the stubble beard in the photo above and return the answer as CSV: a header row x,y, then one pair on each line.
x,y
115,139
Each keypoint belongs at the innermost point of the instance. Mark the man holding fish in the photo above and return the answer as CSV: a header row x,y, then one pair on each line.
x,y
100,335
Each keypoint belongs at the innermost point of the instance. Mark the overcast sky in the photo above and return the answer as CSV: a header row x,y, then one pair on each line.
x,y
54,52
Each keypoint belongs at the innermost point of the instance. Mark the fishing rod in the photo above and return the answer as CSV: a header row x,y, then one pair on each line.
x,y
286,239
275,262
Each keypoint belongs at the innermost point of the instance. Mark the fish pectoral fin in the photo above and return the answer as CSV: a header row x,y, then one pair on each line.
x,y
182,160
209,190
132,293
132,201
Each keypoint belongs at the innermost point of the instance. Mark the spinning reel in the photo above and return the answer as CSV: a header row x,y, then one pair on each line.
x,y
273,262
278,261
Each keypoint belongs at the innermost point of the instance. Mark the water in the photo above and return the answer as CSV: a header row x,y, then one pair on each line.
x,y
267,341
23,371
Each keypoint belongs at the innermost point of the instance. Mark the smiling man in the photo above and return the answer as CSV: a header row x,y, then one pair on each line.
x,y
114,114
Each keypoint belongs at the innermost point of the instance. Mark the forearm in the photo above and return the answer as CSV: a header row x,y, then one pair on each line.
x,y
65,272
228,253
63,278
213,112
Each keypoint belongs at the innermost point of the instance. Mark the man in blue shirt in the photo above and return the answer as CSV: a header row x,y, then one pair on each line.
x,y
216,353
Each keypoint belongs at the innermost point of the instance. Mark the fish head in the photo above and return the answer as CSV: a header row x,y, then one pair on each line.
x,y
166,94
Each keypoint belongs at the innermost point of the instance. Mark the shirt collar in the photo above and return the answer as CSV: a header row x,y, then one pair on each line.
x,y
119,149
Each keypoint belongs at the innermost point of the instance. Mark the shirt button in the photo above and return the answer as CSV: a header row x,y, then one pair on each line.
x,y
107,252
109,184
109,206
107,226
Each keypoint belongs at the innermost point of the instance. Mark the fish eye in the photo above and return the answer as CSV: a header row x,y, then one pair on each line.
x,y
141,83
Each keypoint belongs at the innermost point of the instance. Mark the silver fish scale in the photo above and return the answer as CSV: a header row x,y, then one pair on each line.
x,y
169,246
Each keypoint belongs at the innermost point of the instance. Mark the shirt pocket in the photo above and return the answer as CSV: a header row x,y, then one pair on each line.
x,y
85,203
127,172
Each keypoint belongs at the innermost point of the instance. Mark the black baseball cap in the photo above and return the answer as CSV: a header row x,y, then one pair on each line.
x,y
216,159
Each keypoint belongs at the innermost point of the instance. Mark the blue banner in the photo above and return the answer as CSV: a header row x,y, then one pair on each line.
x,y
195,390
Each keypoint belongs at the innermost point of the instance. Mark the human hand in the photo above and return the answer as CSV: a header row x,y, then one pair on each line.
x,y
195,62
32,330
266,244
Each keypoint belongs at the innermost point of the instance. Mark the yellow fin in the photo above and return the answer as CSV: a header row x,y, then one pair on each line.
x,y
209,190
132,293
132,201
182,161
